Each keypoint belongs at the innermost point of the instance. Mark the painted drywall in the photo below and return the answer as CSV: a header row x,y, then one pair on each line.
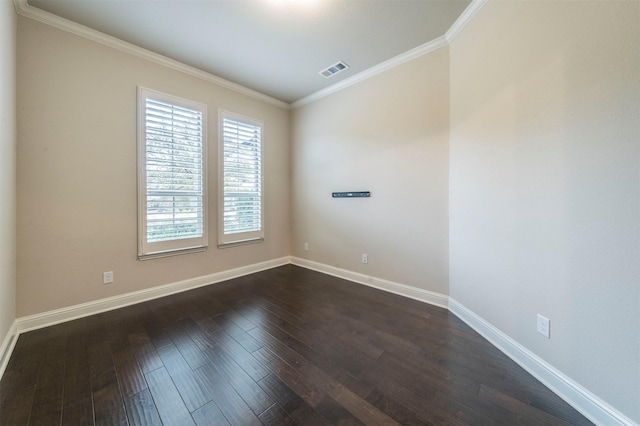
x,y
545,184
77,201
8,20
388,135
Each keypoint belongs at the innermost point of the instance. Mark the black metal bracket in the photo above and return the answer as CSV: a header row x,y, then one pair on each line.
x,y
351,194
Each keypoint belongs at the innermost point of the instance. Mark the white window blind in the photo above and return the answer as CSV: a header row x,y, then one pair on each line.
x,y
172,193
241,181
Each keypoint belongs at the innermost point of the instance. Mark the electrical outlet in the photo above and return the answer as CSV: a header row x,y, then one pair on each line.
x,y
365,258
306,246
543,325
107,277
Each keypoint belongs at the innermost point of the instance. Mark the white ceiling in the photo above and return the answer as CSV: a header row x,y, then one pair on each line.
x,y
276,47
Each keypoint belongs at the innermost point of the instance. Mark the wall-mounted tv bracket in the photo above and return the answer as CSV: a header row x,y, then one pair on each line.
x,y
351,194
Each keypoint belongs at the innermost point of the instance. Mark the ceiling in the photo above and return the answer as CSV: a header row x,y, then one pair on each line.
x,y
276,47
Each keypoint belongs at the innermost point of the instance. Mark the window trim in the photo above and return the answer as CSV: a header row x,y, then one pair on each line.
x,y
152,250
232,240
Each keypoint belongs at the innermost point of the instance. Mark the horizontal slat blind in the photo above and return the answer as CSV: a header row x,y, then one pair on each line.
x,y
242,176
174,175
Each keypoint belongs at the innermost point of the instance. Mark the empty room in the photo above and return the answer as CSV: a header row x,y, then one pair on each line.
x,y
319,212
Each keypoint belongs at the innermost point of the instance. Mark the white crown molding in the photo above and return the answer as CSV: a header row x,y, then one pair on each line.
x,y
69,313
24,9
373,71
6,348
464,19
428,47
592,407
419,294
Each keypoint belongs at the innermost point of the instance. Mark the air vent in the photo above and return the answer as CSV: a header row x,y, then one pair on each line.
x,y
334,69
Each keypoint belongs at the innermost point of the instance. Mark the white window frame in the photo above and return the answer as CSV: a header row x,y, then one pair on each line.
x,y
152,250
232,239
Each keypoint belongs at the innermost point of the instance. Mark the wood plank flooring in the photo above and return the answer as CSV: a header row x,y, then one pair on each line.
x,y
287,346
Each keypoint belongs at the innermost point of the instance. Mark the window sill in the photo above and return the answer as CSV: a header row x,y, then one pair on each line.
x,y
240,243
156,255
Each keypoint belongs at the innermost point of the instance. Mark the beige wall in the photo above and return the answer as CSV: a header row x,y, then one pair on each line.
x,y
7,167
545,184
388,135
529,119
77,172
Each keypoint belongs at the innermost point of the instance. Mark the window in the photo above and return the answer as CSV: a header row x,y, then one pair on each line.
x,y
172,183
241,198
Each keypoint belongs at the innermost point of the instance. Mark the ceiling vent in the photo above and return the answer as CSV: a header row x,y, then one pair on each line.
x,y
334,69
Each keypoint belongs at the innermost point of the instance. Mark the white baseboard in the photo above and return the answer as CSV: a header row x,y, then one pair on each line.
x,y
575,395
57,316
421,295
6,348
578,397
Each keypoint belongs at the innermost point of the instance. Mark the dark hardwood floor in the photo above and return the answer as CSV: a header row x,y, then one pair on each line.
x,y
285,346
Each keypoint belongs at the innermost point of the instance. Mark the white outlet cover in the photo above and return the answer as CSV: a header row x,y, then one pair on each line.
x,y
107,277
543,325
